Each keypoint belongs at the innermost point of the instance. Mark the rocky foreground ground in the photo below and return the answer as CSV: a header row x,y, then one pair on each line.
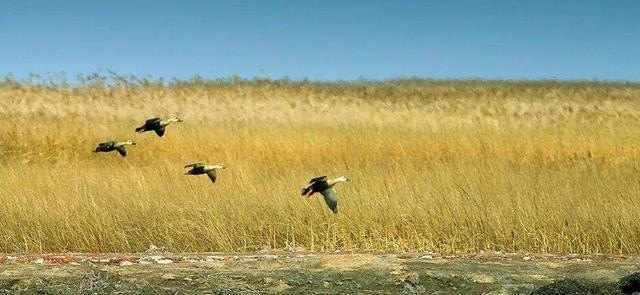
x,y
311,273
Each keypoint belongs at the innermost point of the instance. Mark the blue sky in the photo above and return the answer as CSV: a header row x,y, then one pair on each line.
x,y
324,40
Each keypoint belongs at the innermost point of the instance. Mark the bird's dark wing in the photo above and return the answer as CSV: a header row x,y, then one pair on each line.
x,y
122,151
193,165
152,121
319,178
212,175
331,198
104,146
159,131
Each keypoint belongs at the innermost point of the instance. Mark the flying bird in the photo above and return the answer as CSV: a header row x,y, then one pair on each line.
x,y
202,168
110,146
324,186
157,125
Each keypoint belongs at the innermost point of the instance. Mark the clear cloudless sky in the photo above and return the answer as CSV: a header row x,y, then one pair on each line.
x,y
324,40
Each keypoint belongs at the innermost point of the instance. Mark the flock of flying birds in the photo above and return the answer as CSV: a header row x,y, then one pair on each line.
x,y
321,184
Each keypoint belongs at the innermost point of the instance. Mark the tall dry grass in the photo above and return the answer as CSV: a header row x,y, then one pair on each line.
x,y
448,166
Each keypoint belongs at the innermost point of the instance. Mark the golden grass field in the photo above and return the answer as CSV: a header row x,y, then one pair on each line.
x,y
446,166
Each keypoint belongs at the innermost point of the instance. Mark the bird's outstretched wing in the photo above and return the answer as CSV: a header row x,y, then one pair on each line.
x,y
193,165
331,198
159,131
101,147
106,144
152,121
122,151
319,178
212,175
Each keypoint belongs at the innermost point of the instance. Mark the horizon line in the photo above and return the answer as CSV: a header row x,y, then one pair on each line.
x,y
108,77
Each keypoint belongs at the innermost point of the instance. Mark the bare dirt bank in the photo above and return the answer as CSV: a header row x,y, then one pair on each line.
x,y
305,273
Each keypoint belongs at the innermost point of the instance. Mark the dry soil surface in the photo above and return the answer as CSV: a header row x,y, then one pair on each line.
x,y
304,273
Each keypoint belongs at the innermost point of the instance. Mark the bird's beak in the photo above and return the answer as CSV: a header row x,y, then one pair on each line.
x,y
180,120
133,143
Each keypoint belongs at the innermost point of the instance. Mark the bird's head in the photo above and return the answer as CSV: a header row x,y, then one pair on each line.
x,y
130,142
175,119
219,166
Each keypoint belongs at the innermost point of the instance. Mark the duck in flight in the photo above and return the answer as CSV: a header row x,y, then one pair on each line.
x,y
203,168
157,125
324,186
110,146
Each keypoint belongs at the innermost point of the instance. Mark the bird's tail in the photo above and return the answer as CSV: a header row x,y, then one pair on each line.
x,y
305,191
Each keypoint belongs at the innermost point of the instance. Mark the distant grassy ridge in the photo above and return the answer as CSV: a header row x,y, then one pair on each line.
x,y
448,166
